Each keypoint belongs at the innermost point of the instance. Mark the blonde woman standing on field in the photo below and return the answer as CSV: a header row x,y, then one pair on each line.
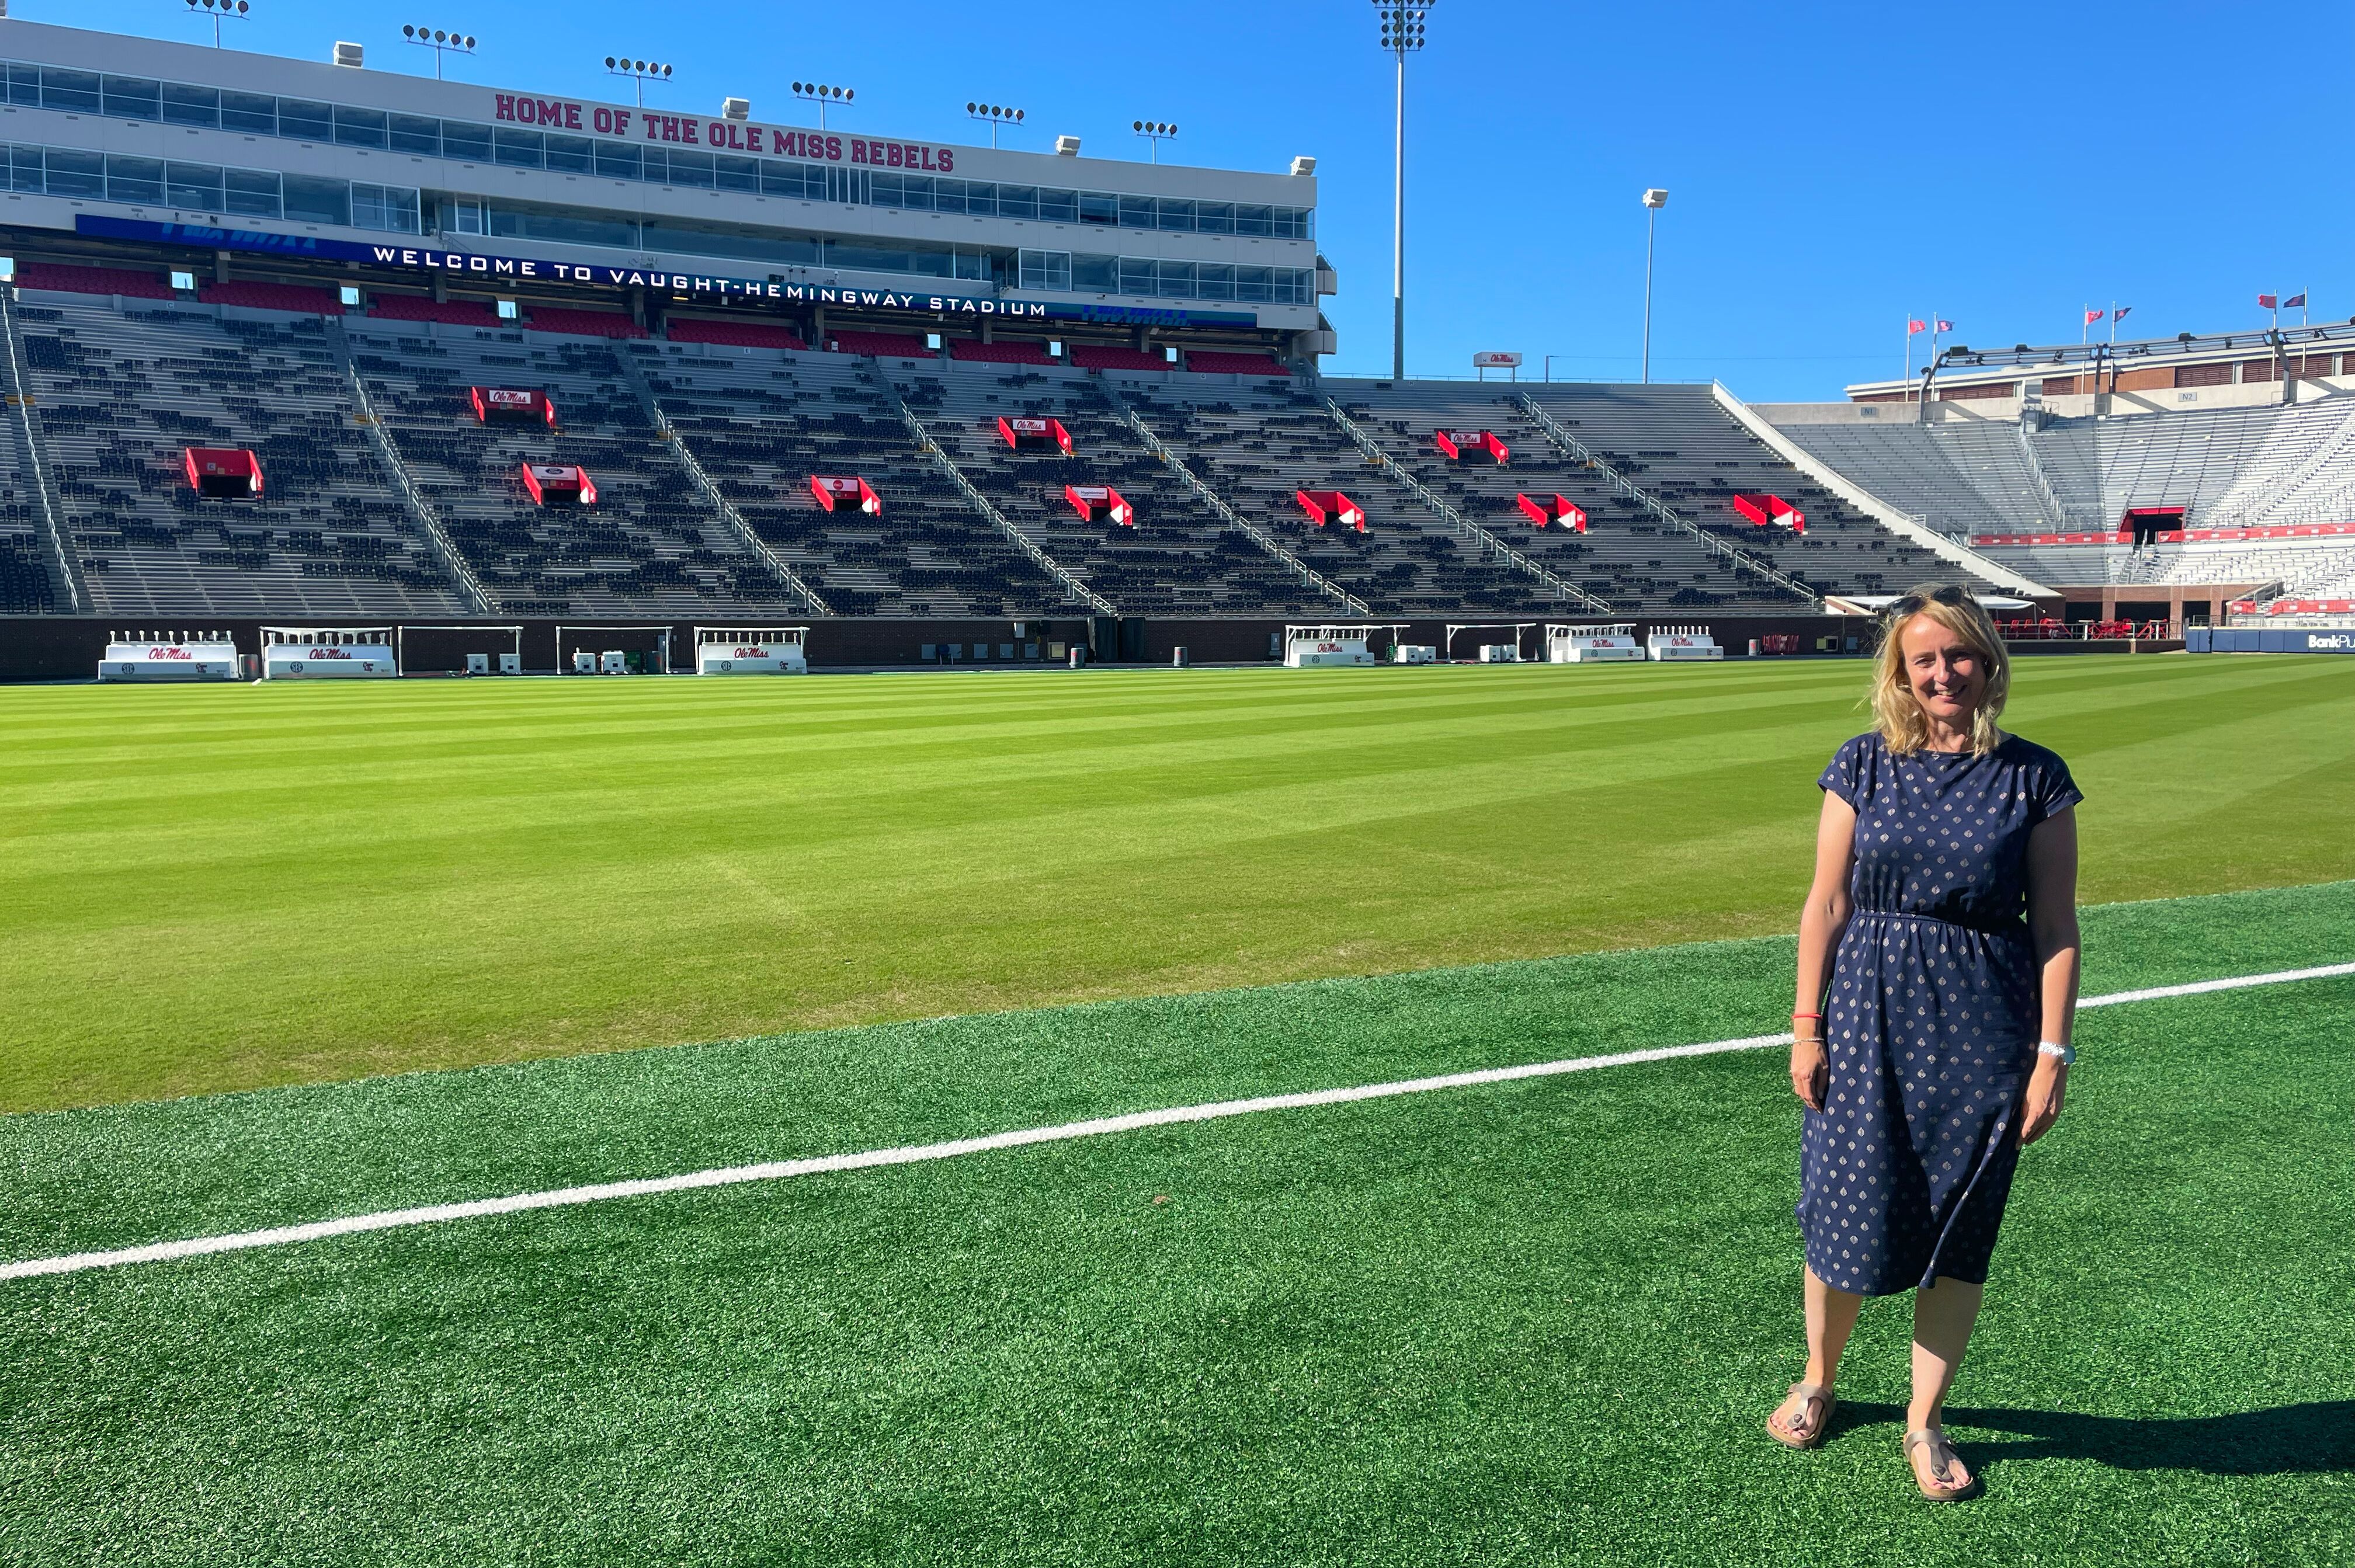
x,y
1938,956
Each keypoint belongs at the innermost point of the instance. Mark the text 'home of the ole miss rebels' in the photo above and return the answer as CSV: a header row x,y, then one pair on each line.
x,y
720,135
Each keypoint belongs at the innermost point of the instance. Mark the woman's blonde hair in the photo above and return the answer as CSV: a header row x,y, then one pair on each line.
x,y
1898,715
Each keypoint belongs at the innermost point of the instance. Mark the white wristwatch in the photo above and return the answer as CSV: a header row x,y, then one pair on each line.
x,y
2053,1048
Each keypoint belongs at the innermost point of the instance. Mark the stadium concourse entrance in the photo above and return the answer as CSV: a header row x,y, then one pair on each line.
x,y
63,647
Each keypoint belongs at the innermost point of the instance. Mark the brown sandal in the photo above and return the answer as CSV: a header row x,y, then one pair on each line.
x,y
1943,1460
1809,1396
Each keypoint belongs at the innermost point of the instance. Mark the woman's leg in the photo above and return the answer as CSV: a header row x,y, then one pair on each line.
x,y
1831,1319
1944,1312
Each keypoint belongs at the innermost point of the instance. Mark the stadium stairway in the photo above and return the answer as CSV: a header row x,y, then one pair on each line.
x,y
760,422
1628,555
649,546
1179,558
1257,444
121,393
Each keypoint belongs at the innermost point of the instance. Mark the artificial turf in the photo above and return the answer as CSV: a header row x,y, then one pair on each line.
x,y
208,888
1536,1322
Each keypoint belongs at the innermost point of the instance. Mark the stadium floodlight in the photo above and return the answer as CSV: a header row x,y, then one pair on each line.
x,y
997,116
1155,132
1654,199
442,42
639,71
219,10
812,92
1403,29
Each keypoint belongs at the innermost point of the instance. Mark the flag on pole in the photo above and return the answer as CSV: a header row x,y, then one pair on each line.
x,y
2294,301
1913,327
2120,314
1945,326
2092,316
2265,302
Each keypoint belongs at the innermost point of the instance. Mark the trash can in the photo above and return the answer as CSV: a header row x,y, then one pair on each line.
x,y
1177,658
1079,656
1753,647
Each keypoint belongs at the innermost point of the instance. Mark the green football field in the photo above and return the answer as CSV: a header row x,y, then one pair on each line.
x,y
1536,1320
220,888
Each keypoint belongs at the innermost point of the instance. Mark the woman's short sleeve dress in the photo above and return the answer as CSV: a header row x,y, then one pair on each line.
x,y
1934,1014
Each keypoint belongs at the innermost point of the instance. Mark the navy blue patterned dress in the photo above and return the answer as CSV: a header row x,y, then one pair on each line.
x,y
1934,1014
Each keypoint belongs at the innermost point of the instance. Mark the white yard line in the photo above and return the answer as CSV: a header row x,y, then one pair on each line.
x,y
917,1153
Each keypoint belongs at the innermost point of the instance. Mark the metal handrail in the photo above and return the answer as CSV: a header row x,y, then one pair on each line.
x,y
1234,519
1455,519
1020,540
736,520
1578,452
452,561
77,596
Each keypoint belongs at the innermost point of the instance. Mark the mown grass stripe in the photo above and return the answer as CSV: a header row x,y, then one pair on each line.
x,y
915,1154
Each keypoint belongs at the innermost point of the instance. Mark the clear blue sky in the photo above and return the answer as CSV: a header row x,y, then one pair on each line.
x,y
1832,168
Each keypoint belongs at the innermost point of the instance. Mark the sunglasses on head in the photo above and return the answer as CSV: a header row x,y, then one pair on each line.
x,y
1952,593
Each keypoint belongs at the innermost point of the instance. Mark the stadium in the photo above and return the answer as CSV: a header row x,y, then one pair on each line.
x,y
1148,1045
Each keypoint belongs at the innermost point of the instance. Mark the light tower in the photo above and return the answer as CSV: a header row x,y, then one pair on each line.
x,y
1402,35
639,71
1654,199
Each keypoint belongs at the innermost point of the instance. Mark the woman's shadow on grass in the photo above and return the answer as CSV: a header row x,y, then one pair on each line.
x,y
2288,1439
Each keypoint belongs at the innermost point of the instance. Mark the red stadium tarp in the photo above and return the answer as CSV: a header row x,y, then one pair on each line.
x,y
1456,442
1560,509
1022,432
222,471
1090,499
531,405
833,490
1324,506
558,485
1771,511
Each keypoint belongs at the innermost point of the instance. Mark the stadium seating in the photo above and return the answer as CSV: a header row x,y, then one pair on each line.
x,y
1259,446
453,313
94,281
1180,559
1211,363
123,392
651,546
1096,356
2266,466
973,350
737,334
585,323
121,395
760,424
879,343
288,297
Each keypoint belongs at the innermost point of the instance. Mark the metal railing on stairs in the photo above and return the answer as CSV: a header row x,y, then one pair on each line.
x,y
1073,583
1578,452
2053,510
1234,519
736,520
478,598
28,425
1490,545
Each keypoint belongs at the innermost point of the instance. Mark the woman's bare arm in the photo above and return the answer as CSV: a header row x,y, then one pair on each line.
x,y
1821,921
2052,924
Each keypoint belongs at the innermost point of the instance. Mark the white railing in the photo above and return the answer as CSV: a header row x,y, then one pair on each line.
x,y
737,522
420,510
77,596
1234,519
1490,545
